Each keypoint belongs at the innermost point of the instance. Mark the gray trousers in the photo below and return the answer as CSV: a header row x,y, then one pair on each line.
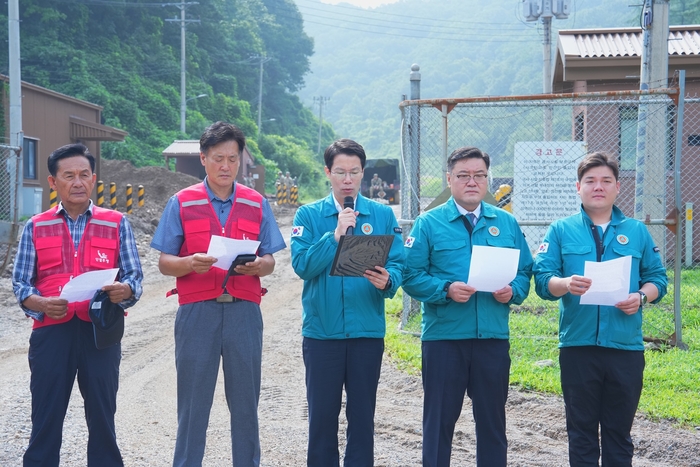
x,y
205,333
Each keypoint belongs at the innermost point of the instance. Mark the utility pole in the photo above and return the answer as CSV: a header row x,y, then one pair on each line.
x,y
652,124
16,168
320,100
183,27
262,59
546,9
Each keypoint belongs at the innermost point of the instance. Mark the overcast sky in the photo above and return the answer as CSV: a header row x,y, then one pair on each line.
x,y
361,3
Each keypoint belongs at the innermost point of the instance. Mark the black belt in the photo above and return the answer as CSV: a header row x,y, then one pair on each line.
x,y
226,298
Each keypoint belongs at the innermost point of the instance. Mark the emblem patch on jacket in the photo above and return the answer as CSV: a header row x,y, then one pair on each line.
x,y
409,242
297,230
543,248
102,257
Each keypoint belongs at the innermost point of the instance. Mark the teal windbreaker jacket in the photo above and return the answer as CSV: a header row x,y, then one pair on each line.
x,y
341,307
439,251
567,245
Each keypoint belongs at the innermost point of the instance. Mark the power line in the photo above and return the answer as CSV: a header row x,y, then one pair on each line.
x,y
480,39
394,14
417,22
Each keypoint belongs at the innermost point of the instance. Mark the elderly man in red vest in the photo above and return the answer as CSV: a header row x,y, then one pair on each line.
x,y
216,323
73,238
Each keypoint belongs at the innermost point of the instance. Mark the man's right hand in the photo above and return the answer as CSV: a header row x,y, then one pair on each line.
x,y
53,307
346,218
460,292
202,263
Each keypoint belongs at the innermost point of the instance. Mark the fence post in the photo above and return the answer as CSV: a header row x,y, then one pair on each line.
x,y
140,195
113,195
410,187
689,235
129,191
100,193
678,319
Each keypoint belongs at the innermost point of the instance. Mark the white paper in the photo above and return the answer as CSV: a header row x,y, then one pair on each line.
x,y
226,249
610,281
84,286
492,268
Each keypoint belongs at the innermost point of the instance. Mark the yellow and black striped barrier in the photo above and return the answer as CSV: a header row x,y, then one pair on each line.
x,y
281,194
100,193
503,197
294,195
129,207
53,198
140,196
113,195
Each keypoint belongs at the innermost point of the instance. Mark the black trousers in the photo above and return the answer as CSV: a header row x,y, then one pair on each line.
x,y
331,365
601,387
479,367
58,353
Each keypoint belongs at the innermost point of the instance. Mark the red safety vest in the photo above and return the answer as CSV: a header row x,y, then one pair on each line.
x,y
199,223
57,261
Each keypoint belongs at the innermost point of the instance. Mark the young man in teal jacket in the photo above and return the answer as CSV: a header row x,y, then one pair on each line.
x,y
343,317
464,332
601,349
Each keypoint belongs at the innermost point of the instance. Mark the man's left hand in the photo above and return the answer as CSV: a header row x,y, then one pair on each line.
x,y
378,278
251,268
503,295
118,292
631,305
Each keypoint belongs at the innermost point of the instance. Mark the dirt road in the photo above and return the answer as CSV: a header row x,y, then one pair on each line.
x,y
146,419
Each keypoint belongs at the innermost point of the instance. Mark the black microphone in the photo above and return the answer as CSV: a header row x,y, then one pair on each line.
x,y
348,202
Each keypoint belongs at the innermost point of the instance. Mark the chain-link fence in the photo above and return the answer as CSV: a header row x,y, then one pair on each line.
x,y
536,143
10,172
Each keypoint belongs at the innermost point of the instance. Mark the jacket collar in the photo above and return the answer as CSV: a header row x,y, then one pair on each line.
x,y
328,208
488,211
617,217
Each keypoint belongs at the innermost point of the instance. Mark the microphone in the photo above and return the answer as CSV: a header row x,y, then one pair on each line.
x,y
348,202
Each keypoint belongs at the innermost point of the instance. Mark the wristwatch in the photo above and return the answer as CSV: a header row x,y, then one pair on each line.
x,y
446,288
642,298
388,284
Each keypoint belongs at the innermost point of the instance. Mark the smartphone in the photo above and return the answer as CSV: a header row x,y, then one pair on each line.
x,y
241,259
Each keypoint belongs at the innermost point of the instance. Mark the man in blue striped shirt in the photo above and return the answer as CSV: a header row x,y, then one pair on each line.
x,y
73,238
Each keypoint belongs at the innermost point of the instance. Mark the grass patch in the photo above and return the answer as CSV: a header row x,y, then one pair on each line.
x,y
671,389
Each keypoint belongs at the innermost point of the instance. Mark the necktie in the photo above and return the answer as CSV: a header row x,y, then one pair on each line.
x,y
472,218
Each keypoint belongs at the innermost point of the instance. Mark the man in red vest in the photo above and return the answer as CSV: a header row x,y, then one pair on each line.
x,y
73,238
216,320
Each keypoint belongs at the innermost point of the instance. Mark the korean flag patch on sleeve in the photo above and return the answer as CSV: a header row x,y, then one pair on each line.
x,y
297,230
543,248
409,242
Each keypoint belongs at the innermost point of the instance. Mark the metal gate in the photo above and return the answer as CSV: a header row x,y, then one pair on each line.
x,y
535,144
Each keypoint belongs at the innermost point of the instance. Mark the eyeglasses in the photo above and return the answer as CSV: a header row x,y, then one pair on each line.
x,y
466,178
353,175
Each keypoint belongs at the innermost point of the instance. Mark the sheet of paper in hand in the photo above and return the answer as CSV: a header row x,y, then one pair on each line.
x,y
358,253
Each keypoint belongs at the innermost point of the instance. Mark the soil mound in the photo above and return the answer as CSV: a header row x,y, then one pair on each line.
x,y
159,185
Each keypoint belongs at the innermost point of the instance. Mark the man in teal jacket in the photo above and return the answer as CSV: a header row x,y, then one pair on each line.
x,y
602,353
464,332
343,317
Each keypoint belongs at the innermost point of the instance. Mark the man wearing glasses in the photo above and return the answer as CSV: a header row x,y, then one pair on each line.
x,y
343,317
464,332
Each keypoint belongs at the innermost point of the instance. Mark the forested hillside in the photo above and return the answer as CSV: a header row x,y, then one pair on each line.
x,y
125,56
464,48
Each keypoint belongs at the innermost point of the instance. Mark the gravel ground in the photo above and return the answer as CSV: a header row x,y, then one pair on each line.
x,y
146,414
